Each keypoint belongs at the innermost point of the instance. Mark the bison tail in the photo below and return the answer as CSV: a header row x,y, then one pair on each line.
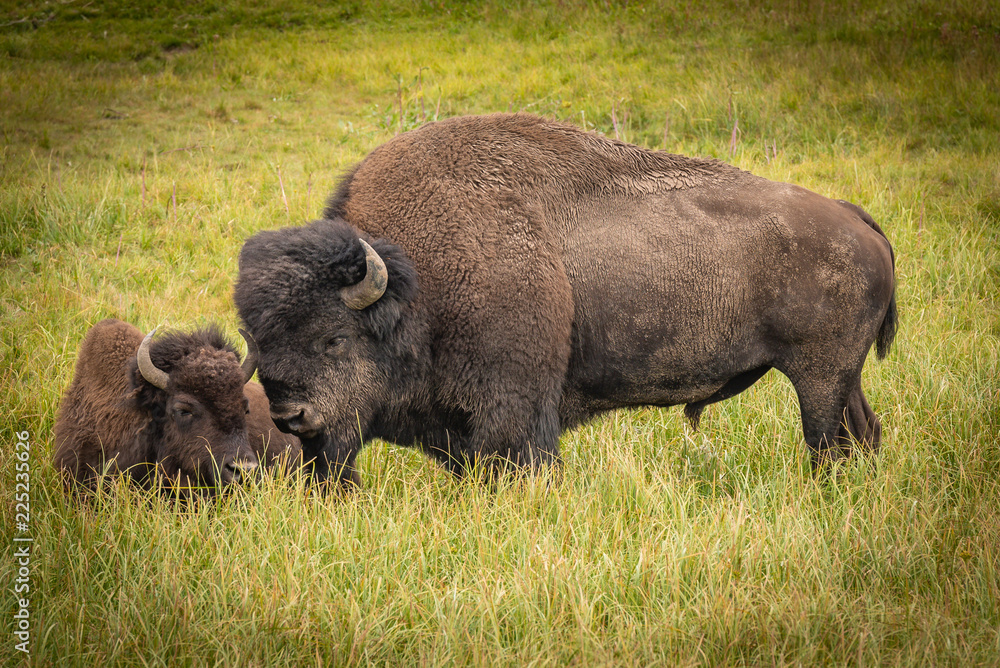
x,y
887,332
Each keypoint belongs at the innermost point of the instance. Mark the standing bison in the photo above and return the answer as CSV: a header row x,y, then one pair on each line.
x,y
181,403
480,284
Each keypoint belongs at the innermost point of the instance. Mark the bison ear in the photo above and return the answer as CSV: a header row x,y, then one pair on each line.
x,y
382,317
141,393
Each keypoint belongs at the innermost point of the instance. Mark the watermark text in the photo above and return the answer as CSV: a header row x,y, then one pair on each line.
x,y
22,543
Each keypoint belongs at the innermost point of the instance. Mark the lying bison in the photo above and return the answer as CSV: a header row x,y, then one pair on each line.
x,y
181,403
561,274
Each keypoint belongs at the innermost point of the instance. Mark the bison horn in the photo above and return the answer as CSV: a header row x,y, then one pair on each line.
x,y
253,353
156,377
371,287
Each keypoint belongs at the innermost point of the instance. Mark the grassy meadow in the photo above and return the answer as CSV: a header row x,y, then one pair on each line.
x,y
141,147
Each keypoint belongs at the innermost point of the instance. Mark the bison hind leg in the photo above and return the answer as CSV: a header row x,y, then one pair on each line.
x,y
834,417
860,424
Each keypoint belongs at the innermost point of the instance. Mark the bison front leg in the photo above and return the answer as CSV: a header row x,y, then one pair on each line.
x,y
514,425
509,441
331,462
506,360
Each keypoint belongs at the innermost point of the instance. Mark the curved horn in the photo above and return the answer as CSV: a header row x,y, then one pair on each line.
x,y
156,377
367,291
253,353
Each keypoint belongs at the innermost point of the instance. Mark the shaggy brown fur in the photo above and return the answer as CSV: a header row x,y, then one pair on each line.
x,y
561,274
207,427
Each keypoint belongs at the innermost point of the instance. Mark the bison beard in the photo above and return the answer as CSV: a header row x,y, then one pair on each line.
x,y
561,275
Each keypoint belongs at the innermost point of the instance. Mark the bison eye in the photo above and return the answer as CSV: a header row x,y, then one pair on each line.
x,y
183,412
335,343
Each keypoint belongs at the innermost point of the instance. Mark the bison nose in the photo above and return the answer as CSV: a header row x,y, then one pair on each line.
x,y
300,419
235,470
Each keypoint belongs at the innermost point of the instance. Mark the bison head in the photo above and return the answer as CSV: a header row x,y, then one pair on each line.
x,y
191,388
335,322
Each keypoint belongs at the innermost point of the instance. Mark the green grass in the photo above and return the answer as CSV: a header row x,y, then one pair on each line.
x,y
141,147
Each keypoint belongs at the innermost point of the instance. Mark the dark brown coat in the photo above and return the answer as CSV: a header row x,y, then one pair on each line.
x,y
561,274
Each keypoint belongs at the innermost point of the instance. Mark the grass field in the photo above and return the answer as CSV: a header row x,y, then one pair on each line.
x,y
141,147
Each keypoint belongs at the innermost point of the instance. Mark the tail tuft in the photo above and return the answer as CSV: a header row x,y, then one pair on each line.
x,y
887,332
